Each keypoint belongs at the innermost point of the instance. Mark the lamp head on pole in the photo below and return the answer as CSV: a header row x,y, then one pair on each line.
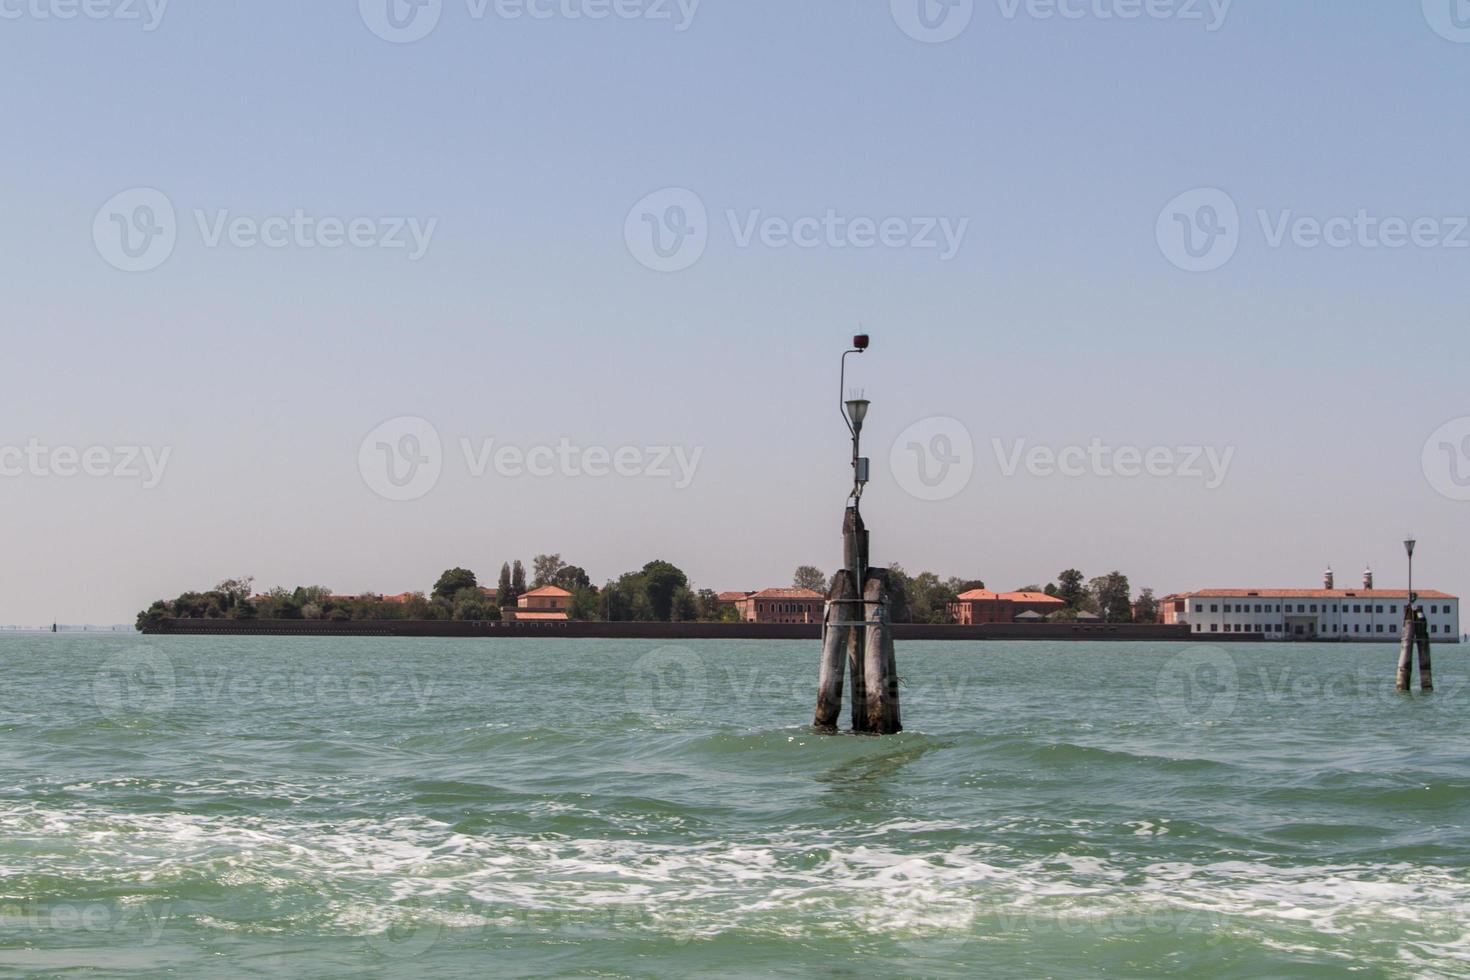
x,y
1409,543
857,410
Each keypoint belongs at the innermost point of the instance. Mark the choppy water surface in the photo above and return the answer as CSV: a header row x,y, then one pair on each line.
x,y
333,807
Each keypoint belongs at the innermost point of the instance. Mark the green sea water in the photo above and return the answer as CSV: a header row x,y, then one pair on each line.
x,y
201,807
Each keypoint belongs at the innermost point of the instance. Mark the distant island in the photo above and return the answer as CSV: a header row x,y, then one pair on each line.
x,y
659,592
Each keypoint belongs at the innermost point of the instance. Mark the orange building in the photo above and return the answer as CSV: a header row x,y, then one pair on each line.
x,y
983,606
546,604
730,599
781,606
979,606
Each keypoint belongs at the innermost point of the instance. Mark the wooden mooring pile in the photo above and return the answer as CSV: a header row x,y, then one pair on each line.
x,y
857,632
1415,633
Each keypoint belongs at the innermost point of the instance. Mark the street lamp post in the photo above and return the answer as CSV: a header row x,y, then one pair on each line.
x,y
856,628
1409,543
1415,634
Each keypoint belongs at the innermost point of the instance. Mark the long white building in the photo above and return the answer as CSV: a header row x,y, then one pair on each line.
x,y
1365,615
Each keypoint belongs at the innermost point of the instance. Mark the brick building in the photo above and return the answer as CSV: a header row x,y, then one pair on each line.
x,y
983,606
780,606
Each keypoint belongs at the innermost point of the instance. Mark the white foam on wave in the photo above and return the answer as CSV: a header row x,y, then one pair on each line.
x,y
881,879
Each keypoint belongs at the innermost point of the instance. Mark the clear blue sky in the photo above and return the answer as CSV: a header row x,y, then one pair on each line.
x,y
528,320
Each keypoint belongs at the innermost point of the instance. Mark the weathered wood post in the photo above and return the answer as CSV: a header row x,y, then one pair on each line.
x,y
855,624
1406,648
1421,636
834,651
881,667
855,560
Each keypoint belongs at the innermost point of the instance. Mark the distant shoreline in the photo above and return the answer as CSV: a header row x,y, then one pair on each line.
x,y
677,631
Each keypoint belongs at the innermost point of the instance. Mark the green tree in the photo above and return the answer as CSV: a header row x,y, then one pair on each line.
x,y
1113,597
572,578
154,615
685,606
1070,588
661,582
544,569
454,581
1148,607
505,595
900,593
929,599
650,594
237,591
518,578
470,606
960,586
809,577
708,603
371,607
314,595
585,605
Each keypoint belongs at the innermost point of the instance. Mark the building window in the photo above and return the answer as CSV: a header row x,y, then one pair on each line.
x,y
1214,627
1199,607
1393,609
1380,627
1214,607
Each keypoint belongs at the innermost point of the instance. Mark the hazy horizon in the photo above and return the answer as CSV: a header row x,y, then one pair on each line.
x,y
244,244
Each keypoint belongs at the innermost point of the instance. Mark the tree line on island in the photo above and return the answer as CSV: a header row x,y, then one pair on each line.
x,y
658,592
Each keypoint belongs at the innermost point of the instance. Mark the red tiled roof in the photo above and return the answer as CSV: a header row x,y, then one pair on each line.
x,y
1032,597
785,594
546,590
732,596
978,595
1401,594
